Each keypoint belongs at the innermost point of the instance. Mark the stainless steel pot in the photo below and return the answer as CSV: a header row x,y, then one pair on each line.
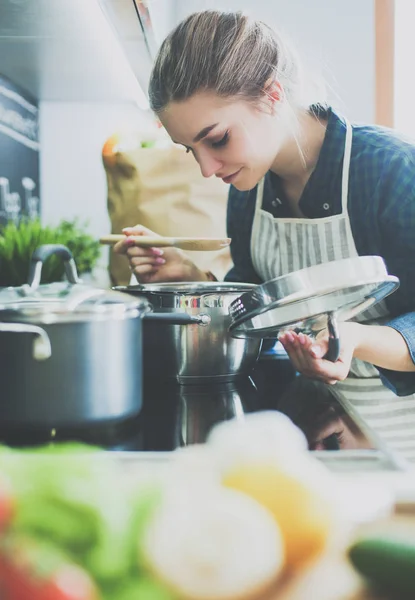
x,y
70,355
194,352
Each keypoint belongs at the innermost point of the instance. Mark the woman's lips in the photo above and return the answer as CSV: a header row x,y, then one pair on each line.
x,y
230,178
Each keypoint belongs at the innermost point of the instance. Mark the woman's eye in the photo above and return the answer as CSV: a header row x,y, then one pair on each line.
x,y
221,142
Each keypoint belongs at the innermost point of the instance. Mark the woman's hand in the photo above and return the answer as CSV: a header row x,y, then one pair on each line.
x,y
155,265
307,355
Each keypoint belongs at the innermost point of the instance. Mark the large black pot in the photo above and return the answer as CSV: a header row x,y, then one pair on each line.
x,y
70,355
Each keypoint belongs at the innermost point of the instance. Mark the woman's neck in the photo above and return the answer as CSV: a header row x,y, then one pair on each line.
x,y
298,157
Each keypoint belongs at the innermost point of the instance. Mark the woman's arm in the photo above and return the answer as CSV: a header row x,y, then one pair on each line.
x,y
382,346
379,345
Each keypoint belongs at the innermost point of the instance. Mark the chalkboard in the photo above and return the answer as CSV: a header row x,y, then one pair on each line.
x,y
19,154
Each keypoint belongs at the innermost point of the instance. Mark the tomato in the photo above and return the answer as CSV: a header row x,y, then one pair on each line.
x,y
32,570
7,502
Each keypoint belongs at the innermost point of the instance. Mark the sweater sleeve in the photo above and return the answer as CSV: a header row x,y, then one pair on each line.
x,y
396,193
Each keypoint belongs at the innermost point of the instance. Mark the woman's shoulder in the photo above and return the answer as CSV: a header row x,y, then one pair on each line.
x,y
375,138
384,143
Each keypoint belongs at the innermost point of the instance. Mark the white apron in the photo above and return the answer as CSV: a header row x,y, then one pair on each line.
x,y
280,246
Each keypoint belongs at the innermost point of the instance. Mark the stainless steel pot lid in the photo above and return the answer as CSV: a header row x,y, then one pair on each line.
x,y
64,301
305,299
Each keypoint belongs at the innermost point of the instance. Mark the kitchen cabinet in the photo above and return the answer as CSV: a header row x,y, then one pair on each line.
x,y
19,154
65,51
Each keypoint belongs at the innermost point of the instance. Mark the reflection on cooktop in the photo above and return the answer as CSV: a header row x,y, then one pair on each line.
x,y
175,415
313,407
179,415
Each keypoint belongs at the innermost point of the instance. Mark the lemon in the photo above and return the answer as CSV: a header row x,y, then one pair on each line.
x,y
213,544
303,514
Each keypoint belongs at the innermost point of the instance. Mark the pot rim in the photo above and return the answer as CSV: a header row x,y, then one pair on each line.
x,y
54,318
180,288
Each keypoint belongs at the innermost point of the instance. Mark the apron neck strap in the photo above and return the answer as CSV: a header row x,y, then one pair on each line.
x,y
346,165
345,174
259,194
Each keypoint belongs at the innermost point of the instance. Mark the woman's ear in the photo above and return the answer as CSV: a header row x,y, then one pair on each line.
x,y
273,91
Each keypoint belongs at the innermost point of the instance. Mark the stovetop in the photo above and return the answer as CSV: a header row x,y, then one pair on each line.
x,y
175,415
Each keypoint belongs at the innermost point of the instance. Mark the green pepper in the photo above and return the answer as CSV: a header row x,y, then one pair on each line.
x,y
138,588
387,562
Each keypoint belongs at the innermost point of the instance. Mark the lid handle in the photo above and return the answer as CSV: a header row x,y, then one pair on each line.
x,y
333,351
41,254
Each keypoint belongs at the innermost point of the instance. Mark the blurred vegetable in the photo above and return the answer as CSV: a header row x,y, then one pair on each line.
x,y
212,543
18,242
387,562
7,503
71,496
36,570
142,588
115,557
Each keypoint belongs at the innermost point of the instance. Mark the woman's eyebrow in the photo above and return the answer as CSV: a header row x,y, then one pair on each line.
x,y
201,134
204,132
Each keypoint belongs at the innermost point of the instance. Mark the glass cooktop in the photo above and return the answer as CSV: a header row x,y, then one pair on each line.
x,y
175,415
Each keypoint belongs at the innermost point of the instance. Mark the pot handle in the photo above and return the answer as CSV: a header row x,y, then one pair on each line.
x,y
177,318
42,349
333,352
41,254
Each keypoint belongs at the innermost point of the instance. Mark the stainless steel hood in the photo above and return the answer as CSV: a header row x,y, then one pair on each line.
x,y
66,50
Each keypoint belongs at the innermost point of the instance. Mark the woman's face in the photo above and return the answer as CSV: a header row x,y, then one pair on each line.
x,y
231,139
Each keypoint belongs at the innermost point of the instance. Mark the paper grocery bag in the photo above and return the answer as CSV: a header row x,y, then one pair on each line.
x,y
163,189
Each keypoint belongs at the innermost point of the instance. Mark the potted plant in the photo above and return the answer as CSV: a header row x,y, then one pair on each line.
x,y
18,242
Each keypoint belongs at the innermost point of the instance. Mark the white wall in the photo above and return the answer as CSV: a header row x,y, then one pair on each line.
x,y
404,117
335,33
162,14
72,177
338,34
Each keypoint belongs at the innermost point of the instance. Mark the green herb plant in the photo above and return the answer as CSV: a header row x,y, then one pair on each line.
x,y
18,242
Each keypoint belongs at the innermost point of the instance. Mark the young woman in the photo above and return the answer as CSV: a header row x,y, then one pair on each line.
x,y
306,187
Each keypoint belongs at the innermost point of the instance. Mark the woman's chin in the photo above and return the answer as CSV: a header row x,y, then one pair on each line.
x,y
243,186
246,182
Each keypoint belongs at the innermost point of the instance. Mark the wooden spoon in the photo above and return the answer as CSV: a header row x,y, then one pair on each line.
x,y
185,243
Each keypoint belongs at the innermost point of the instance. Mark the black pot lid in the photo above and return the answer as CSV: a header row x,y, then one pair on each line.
x,y
69,300
64,301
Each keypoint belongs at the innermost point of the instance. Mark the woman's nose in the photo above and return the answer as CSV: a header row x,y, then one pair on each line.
x,y
209,165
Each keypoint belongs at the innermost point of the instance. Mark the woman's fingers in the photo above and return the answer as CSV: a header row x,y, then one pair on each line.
x,y
299,348
145,269
139,230
151,265
155,261
123,246
133,251
289,341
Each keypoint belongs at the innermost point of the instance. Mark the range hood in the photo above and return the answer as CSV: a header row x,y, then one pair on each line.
x,y
77,50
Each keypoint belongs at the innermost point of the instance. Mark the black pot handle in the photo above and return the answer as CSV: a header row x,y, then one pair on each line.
x,y
177,318
42,253
333,352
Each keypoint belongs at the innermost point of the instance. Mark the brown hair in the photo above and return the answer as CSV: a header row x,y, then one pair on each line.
x,y
226,53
